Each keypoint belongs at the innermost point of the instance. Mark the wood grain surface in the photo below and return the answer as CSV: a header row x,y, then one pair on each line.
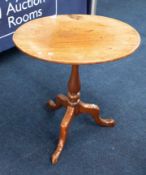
x,y
77,39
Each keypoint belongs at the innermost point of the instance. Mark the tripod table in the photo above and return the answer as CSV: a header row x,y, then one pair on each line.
x,y
76,40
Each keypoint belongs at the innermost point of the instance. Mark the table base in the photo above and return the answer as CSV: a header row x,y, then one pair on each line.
x,y
74,107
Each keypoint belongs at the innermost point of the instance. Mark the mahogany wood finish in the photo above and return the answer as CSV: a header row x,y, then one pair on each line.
x,y
74,107
76,40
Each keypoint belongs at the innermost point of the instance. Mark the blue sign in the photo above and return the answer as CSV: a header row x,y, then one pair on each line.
x,y
14,13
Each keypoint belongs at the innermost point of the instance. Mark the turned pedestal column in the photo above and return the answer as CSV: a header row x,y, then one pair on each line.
x,y
74,107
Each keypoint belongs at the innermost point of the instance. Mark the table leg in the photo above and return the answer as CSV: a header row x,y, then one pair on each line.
x,y
95,113
61,100
63,133
74,107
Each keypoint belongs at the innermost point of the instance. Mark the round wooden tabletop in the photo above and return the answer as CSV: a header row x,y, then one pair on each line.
x,y
77,39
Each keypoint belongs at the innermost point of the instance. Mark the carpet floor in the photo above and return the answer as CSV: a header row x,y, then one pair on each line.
x,y
29,130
